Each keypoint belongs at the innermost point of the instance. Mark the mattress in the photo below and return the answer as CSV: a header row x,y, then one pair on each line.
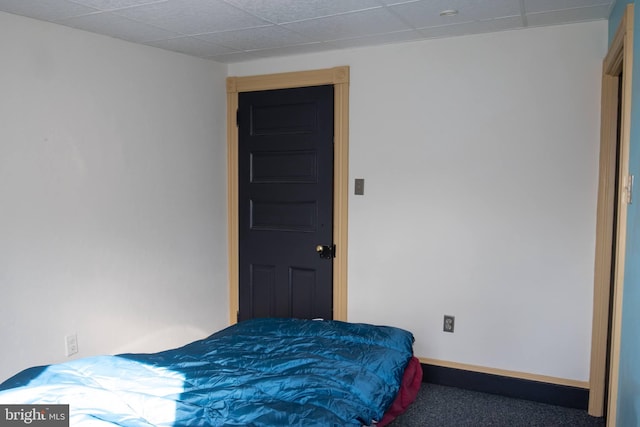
x,y
260,372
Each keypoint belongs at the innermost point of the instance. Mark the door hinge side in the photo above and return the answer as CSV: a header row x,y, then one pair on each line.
x,y
238,118
237,316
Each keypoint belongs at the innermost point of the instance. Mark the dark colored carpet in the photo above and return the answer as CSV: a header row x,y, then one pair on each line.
x,y
440,406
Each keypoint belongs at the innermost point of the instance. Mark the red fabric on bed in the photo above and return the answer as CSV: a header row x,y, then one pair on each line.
x,y
408,392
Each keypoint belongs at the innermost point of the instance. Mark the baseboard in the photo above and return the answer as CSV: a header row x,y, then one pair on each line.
x,y
569,396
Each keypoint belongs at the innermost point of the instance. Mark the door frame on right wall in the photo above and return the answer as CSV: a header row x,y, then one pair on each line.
x,y
609,269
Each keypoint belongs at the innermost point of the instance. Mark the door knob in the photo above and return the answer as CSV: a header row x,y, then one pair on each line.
x,y
326,251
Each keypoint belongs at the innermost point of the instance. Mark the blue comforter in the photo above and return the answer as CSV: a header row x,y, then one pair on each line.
x,y
261,372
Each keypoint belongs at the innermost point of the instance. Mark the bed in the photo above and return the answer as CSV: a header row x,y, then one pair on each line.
x,y
260,372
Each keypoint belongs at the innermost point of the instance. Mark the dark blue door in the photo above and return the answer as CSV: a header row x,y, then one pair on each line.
x,y
285,203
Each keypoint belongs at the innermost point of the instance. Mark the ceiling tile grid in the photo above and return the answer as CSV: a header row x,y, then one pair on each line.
x,y
283,11
426,13
239,30
192,46
118,26
191,17
348,25
566,16
45,11
256,38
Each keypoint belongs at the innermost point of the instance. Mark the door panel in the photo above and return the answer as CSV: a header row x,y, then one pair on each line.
x,y
285,204
265,276
303,284
279,167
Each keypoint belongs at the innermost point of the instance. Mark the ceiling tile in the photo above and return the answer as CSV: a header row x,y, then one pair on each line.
x,y
191,46
230,58
426,13
380,39
191,17
255,38
568,15
374,21
532,6
45,10
392,2
475,27
297,49
295,10
118,26
114,4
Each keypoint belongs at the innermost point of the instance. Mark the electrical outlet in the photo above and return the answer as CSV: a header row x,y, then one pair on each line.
x,y
449,323
71,342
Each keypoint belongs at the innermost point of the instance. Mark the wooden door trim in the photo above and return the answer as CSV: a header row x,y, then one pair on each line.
x,y
339,78
619,61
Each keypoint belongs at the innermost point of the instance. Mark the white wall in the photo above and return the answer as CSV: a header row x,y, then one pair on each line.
x,y
112,195
480,159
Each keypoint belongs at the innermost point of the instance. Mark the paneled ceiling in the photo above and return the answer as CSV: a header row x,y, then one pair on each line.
x,y
239,30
